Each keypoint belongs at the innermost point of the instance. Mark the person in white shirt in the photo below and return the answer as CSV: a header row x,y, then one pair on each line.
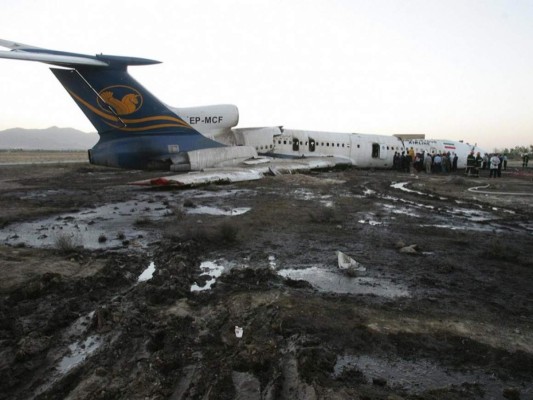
x,y
494,163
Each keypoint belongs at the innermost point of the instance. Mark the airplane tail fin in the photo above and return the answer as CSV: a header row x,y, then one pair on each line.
x,y
136,129
114,102
101,86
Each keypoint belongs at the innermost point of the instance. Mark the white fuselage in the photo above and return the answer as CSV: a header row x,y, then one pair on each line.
x,y
360,150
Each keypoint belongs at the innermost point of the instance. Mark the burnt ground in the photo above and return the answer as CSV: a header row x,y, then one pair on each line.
x,y
449,318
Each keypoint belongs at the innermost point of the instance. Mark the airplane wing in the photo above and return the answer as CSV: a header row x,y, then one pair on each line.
x,y
247,171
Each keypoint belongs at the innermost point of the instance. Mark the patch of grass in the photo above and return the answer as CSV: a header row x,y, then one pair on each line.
x,y
189,204
66,243
177,212
499,250
172,232
323,215
223,233
227,232
143,221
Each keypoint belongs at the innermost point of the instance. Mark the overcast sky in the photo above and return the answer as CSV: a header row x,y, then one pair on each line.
x,y
454,69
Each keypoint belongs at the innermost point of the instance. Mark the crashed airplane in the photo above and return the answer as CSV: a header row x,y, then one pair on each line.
x,y
138,131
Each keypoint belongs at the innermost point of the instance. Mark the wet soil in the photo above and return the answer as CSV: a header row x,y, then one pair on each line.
x,y
114,292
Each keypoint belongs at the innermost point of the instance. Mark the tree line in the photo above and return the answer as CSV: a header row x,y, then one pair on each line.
x,y
517,152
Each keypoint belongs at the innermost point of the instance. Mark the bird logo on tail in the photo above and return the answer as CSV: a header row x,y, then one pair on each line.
x,y
124,99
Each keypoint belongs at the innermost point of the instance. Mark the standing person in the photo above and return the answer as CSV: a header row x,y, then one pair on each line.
x,y
444,163
437,161
525,160
407,163
454,162
470,163
479,161
427,163
505,162
500,165
485,161
411,153
494,162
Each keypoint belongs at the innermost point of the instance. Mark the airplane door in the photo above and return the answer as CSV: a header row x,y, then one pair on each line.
x,y
383,152
375,150
311,145
355,151
295,144
379,151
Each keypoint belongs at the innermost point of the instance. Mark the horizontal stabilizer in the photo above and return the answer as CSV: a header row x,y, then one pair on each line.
x,y
17,45
54,59
20,51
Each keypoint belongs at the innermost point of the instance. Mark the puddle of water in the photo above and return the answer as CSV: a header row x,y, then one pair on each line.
x,y
419,375
334,282
472,215
456,218
306,194
115,225
79,326
79,352
527,226
402,186
400,210
40,194
217,211
203,194
107,226
370,222
148,273
408,202
465,227
211,269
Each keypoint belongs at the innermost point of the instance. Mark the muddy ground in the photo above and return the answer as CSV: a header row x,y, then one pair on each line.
x,y
110,291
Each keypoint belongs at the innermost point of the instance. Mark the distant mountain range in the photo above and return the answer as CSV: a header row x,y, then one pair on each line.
x,y
52,138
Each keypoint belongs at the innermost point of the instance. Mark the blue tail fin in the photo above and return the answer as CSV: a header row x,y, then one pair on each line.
x,y
136,129
113,101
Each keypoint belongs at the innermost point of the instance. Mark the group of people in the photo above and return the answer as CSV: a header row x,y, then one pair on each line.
x,y
494,162
431,163
409,161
